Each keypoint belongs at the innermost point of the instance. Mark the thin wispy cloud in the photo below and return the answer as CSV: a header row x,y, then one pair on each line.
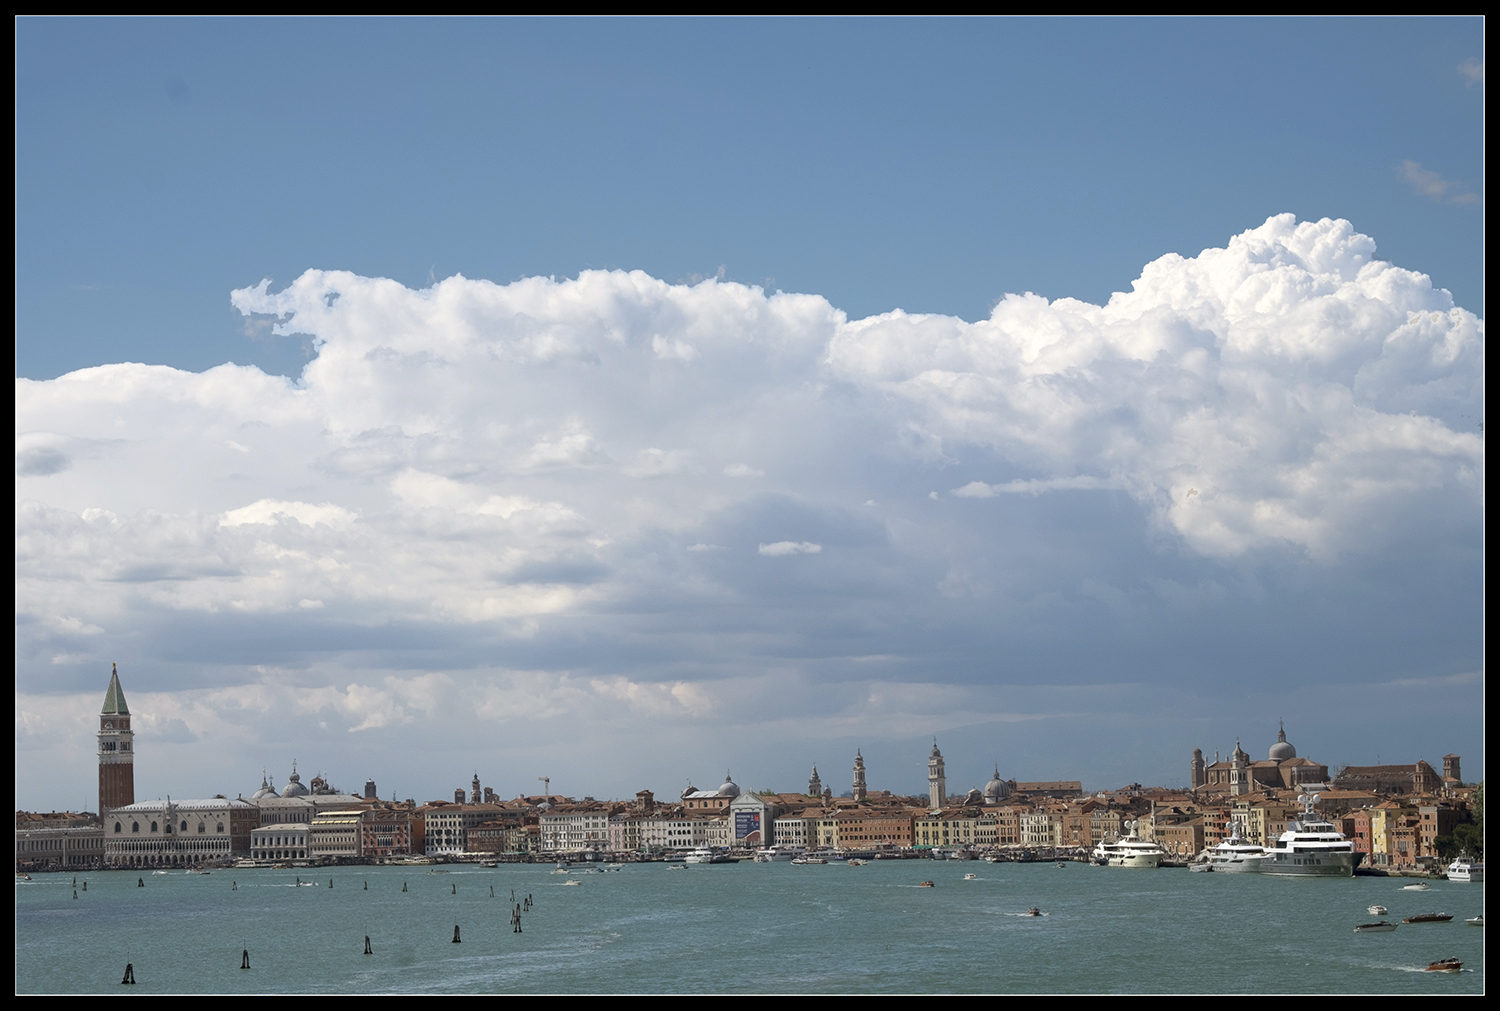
x,y
1431,184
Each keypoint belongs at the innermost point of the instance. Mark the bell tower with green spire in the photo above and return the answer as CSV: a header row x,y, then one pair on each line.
x,y
116,751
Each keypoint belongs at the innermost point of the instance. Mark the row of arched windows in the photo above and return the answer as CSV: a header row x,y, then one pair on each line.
x,y
135,826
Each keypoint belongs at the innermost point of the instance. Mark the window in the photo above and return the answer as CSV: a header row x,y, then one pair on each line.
x,y
153,826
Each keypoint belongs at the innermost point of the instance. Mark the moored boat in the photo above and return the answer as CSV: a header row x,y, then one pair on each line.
x,y
1235,855
1466,869
1311,846
1130,851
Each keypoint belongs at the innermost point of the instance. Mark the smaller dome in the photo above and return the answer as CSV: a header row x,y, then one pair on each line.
x,y
1282,749
294,787
728,789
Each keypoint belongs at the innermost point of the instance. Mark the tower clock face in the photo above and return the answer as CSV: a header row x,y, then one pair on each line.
x,y
109,724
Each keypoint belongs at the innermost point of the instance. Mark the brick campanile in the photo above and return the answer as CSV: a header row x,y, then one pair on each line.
x,y
116,755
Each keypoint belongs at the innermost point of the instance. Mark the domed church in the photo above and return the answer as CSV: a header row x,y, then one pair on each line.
x,y
1280,770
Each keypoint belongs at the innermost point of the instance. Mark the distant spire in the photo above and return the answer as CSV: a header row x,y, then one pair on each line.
x,y
114,698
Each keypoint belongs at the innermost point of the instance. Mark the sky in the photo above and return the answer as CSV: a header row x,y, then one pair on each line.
x,y
633,402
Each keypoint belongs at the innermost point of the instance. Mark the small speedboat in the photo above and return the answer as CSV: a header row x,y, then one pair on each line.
x,y
925,884
1381,927
1420,887
1429,918
1376,909
1033,911
1475,921
971,877
1445,965
573,881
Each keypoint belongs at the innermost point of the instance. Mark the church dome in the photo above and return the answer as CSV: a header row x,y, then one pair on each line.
x,y
997,788
1282,749
728,789
294,787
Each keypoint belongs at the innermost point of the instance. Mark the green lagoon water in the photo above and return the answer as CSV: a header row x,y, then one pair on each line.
x,y
742,928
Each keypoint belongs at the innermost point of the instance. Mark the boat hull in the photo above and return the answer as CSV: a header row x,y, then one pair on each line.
x,y
1309,865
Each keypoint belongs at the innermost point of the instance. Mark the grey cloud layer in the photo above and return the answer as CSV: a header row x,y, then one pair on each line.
x,y
668,484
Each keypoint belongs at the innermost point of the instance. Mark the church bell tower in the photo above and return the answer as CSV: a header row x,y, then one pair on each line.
x,y
937,782
116,754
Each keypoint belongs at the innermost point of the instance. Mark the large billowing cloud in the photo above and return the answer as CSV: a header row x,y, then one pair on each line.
x,y
613,498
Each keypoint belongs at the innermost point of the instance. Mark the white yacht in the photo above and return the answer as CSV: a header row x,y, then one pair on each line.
x,y
1311,846
777,854
1235,855
707,855
1466,869
1131,851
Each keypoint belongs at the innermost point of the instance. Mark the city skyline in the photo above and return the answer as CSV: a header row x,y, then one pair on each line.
x,y
625,401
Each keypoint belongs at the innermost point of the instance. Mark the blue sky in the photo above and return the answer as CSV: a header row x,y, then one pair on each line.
x,y
1088,626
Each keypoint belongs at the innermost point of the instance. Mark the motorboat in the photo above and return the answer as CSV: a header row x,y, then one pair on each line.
x,y
1130,851
572,881
1376,909
1310,846
925,884
1236,854
1033,911
1465,869
1475,921
1421,886
1380,927
1428,918
1445,965
805,860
